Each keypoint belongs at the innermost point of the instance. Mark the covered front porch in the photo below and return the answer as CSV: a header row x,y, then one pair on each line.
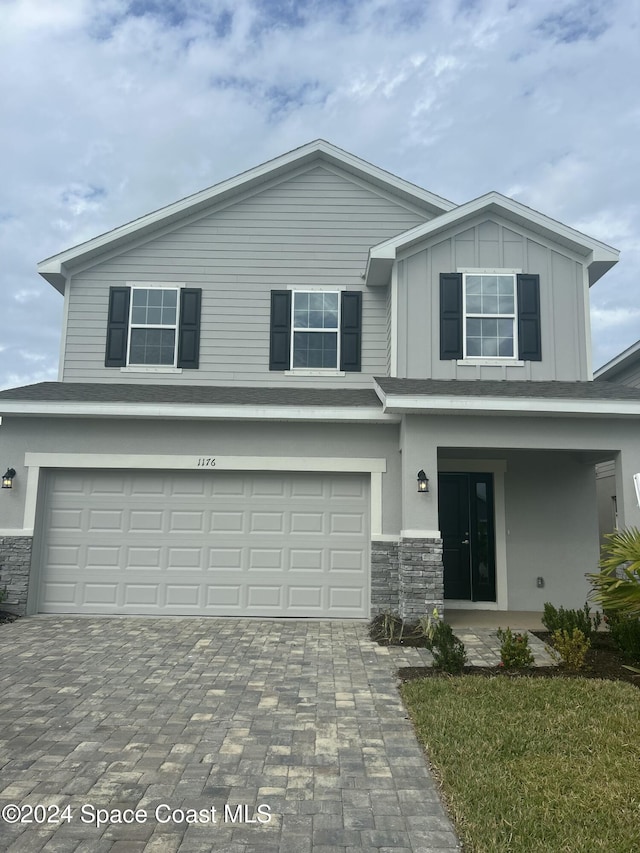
x,y
509,518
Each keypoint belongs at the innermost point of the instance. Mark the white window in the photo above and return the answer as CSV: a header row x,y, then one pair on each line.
x,y
153,326
490,312
314,329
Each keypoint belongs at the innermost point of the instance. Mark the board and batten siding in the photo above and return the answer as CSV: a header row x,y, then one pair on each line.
x,y
491,244
313,229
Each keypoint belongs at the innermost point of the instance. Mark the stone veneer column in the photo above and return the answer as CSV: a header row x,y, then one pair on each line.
x,y
15,565
421,577
384,577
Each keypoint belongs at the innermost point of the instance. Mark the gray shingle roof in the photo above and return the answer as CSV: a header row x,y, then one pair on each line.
x,y
228,395
107,392
508,388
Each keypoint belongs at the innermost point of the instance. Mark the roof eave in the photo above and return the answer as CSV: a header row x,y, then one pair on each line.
x,y
599,257
195,411
54,273
402,404
618,363
253,178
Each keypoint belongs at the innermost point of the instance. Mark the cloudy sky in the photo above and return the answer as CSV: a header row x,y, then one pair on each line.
x,y
113,108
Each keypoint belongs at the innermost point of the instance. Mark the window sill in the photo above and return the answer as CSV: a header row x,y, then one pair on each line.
x,y
305,371
491,362
143,369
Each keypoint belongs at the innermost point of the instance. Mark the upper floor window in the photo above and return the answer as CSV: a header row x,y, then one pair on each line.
x,y
153,328
314,330
491,315
490,329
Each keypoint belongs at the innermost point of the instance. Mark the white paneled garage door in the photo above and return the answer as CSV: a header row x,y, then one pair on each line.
x,y
206,542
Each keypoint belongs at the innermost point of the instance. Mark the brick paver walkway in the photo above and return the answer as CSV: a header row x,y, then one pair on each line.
x,y
483,646
188,714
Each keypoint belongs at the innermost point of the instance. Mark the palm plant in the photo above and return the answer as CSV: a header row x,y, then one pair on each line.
x,y
617,584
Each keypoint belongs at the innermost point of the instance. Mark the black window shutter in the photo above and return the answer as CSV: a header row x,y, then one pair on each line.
x,y
280,334
529,338
450,315
350,331
189,330
117,327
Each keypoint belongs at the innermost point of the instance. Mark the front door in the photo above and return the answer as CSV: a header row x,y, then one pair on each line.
x,y
465,506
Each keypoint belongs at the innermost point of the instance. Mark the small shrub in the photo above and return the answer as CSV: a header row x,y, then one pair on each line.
x,y
625,631
426,626
448,651
387,627
570,649
568,620
514,649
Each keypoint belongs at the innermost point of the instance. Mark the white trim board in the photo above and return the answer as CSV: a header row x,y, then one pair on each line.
x,y
198,411
191,462
426,404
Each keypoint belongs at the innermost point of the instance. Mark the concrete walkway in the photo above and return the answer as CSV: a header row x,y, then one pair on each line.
x,y
176,717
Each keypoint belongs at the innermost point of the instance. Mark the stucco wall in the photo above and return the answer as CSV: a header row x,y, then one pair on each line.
x,y
211,438
552,529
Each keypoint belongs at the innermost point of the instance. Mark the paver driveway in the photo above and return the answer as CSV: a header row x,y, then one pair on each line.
x,y
122,714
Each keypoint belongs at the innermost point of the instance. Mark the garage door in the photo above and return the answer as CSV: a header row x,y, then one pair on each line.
x,y
205,542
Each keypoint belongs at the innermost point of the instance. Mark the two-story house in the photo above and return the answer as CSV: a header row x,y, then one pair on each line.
x,y
316,389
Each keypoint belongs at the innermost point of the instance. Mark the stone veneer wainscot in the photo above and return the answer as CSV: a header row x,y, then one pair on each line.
x,y
15,565
407,577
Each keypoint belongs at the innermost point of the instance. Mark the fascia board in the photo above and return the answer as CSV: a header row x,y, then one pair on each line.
x,y
619,362
49,268
360,167
378,272
602,256
54,273
346,414
405,404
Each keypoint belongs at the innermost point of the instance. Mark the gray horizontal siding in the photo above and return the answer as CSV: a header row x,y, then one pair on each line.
x,y
315,228
630,375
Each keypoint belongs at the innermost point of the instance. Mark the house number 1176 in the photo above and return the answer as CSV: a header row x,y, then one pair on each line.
x,y
206,462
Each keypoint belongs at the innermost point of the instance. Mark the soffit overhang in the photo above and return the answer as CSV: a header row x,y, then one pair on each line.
x,y
598,256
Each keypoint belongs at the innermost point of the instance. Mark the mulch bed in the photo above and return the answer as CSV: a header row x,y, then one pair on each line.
x,y
7,617
603,661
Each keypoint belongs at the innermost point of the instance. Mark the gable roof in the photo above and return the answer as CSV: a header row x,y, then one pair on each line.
x,y
600,257
620,362
317,152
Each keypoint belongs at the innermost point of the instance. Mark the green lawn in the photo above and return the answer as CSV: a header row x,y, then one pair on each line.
x,y
534,765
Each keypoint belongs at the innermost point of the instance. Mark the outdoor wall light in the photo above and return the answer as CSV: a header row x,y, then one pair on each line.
x,y
423,482
7,478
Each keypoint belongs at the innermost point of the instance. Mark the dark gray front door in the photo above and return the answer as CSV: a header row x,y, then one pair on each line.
x,y
465,506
